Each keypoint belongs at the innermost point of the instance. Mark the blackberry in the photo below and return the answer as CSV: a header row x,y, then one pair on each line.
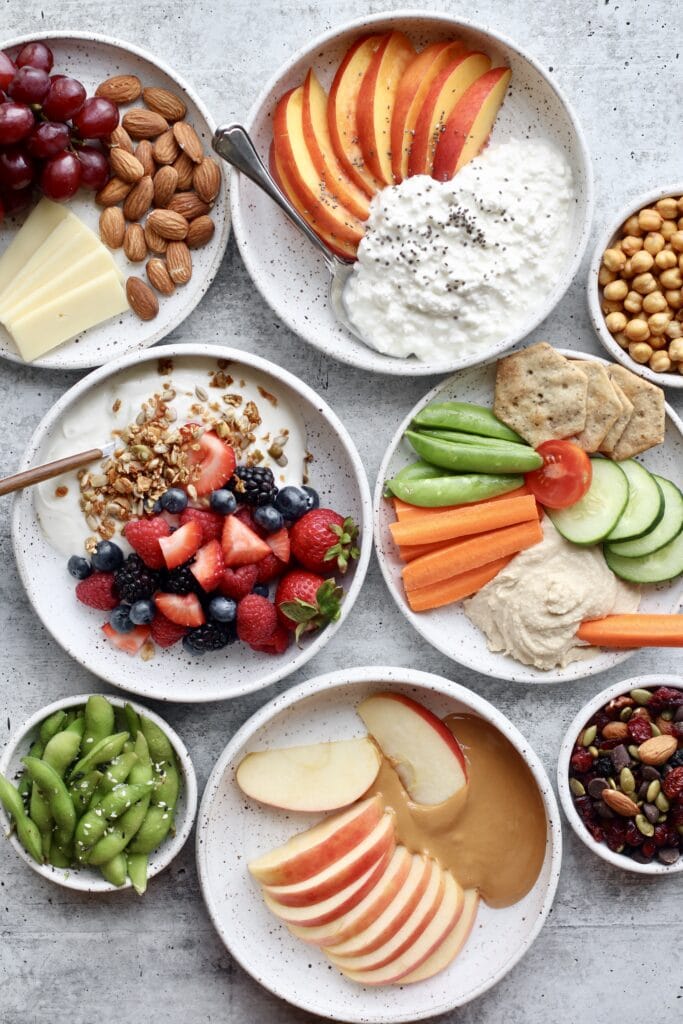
x,y
181,581
255,485
212,636
134,581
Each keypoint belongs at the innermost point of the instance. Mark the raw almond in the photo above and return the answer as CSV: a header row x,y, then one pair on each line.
x,y
168,224
139,200
159,277
165,184
166,148
145,154
155,243
125,165
120,89
189,141
141,123
657,749
200,232
619,802
141,298
120,139
112,227
134,244
207,179
665,726
615,731
189,204
179,262
165,103
185,169
113,192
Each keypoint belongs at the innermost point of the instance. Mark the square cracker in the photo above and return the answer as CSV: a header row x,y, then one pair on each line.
x,y
603,406
609,442
540,394
647,424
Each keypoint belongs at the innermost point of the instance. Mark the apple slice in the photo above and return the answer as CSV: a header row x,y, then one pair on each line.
x,y
342,110
451,945
443,95
342,871
469,125
318,777
410,95
310,852
424,752
376,101
355,920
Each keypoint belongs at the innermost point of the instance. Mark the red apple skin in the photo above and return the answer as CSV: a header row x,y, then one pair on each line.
x,y
436,724
376,103
451,945
467,129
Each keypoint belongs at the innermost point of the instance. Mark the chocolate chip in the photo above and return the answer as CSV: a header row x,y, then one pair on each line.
x,y
620,757
668,855
651,812
596,786
678,717
650,773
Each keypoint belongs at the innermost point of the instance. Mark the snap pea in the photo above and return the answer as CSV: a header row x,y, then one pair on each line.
x,y
62,750
132,720
157,824
474,458
454,489
471,419
99,722
104,750
115,870
116,840
136,866
56,793
51,725
24,785
159,745
82,790
456,437
27,830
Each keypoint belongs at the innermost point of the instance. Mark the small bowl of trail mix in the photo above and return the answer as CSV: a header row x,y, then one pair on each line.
x,y
620,774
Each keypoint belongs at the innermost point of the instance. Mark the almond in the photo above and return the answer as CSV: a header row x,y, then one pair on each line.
x,y
165,184
139,199
200,232
166,148
189,204
189,141
619,802
141,298
134,244
112,227
120,89
168,224
615,731
121,139
207,179
145,154
165,103
159,277
185,169
155,243
657,749
179,262
113,192
141,123
125,165
666,726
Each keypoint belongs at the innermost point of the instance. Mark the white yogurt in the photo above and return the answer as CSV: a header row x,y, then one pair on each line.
x,y
448,267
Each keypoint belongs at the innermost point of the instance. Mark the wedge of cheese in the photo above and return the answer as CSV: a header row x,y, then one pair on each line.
x,y
40,223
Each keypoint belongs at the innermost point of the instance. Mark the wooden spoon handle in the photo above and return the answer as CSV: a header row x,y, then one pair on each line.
x,y
49,470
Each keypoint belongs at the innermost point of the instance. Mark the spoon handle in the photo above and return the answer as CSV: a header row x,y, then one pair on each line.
x,y
232,142
38,473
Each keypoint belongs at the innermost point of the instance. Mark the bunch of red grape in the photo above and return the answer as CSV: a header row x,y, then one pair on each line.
x,y
47,128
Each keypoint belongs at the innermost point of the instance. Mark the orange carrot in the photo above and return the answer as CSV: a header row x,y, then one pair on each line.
x,y
455,588
638,630
408,553
470,553
405,511
466,521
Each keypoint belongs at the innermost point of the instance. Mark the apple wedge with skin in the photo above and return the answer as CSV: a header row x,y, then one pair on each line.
x,y
469,125
424,752
316,777
451,945
376,101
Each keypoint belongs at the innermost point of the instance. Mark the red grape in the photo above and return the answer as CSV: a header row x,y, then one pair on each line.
x,y
29,85
7,70
61,177
17,201
47,139
16,122
17,170
94,168
64,99
97,118
35,55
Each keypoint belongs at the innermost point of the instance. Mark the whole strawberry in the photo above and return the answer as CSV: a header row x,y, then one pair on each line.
x,y
305,601
256,620
323,541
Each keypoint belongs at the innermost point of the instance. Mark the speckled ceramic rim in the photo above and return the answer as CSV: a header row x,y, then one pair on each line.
x,y
605,239
388,675
298,387
414,367
517,673
578,723
219,249
87,879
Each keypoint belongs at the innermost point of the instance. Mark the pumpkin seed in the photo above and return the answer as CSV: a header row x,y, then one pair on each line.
x,y
661,818
589,735
656,731
667,715
641,696
662,803
645,827
679,829
633,751
625,714
627,781
577,788
611,783
653,791
593,751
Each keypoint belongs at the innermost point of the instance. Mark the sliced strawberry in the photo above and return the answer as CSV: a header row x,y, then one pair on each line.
x,y
208,566
269,568
144,535
182,609
210,522
216,461
278,644
128,642
164,632
99,591
244,514
279,544
237,583
241,546
178,547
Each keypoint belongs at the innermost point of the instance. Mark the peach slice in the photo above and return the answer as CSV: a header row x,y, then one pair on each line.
x,y
410,95
469,125
310,852
376,101
451,945
424,752
443,95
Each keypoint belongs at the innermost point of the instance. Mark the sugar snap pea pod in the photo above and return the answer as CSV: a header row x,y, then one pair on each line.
x,y
410,474
27,830
471,419
115,870
137,864
455,489
132,720
165,793
160,748
474,458
62,750
105,750
39,809
51,725
82,790
99,722
457,437
24,785
117,839
154,829
54,789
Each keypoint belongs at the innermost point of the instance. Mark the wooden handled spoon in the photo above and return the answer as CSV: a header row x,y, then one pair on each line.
x,y
37,474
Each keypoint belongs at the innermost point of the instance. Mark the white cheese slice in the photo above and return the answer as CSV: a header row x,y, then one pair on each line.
x,y
40,223
57,279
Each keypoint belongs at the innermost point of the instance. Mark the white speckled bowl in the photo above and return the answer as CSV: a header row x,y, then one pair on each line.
x,y
172,674
448,629
566,799
89,879
605,239
231,830
288,273
91,58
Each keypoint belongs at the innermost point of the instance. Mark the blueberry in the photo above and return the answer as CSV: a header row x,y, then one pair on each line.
x,y
142,612
292,502
224,502
80,568
120,619
262,589
174,500
222,609
157,508
108,557
313,497
268,518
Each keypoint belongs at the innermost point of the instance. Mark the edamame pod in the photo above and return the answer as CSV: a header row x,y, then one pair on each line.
x,y
115,773
83,789
132,720
118,838
474,458
59,858
94,823
77,726
121,798
137,864
154,829
159,745
115,870
165,793
62,750
454,489
105,750
99,722
24,784
27,830
54,789
142,772
39,810
51,726
471,419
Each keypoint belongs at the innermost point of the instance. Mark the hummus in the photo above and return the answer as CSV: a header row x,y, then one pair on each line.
x,y
533,608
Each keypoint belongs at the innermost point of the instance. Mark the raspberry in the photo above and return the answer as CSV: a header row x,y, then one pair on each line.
x,y
143,536
582,760
237,583
672,785
256,620
98,591
164,632
639,729
210,522
279,642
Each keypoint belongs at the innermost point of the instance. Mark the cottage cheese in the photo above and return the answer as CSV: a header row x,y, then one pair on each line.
x,y
448,267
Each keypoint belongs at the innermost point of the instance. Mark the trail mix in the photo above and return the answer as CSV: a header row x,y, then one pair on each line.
x,y
626,775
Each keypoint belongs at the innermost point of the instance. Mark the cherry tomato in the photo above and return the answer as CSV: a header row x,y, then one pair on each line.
x,y
564,477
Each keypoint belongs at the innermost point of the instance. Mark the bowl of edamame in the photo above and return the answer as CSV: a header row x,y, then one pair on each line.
x,y
99,793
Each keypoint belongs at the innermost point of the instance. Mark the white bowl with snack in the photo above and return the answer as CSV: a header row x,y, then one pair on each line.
x,y
386,923
112,268
471,564
442,77
182,534
634,286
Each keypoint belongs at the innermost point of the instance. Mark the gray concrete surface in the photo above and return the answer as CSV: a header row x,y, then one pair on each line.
x,y
611,950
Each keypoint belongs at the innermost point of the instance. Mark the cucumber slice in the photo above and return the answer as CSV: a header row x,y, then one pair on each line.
x,y
668,527
658,567
597,513
645,505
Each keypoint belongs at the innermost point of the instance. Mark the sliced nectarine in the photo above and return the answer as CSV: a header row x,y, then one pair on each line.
x,y
376,102
469,125
450,945
342,108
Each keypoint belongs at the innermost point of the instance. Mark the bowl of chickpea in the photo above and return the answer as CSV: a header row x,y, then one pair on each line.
x,y
635,287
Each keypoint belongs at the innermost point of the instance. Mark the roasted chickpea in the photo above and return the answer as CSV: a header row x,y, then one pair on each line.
x,y
654,303
627,270
641,352
631,226
677,241
656,341
667,208
666,259
668,228
670,279
674,296
637,330
605,276
633,303
658,322
641,261
613,259
631,244
659,362
616,291
611,307
649,220
645,283
674,331
654,243
676,350
680,204
621,339
615,322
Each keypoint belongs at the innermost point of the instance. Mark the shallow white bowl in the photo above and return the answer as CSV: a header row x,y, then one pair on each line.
x,y
448,629
566,799
91,58
605,239
232,830
172,674
293,279
89,879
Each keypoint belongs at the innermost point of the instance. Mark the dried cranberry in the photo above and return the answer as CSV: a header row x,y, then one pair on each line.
x,y
596,831
665,835
581,760
633,836
648,849
676,815
639,729
615,834
601,719
609,744
665,696
673,784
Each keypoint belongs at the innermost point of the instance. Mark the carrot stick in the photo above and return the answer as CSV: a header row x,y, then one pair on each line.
x,y
408,553
470,554
454,589
463,522
638,630
405,511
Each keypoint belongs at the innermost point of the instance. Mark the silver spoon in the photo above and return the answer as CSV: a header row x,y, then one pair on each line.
x,y
233,143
